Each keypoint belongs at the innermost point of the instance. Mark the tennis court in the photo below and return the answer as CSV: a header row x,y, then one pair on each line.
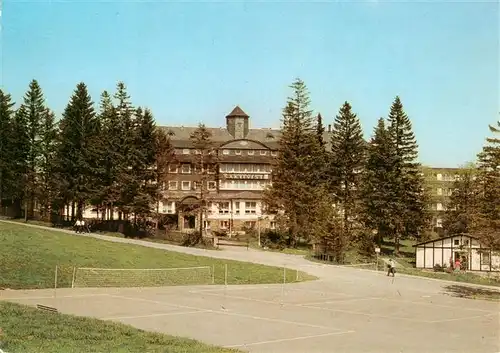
x,y
358,312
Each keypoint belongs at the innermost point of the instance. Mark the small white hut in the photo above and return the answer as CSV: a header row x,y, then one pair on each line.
x,y
468,249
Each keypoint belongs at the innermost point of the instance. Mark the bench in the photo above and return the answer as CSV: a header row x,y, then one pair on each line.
x,y
46,308
225,242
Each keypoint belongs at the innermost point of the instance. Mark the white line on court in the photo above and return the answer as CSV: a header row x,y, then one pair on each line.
x,y
227,313
152,315
285,304
52,297
339,301
463,318
289,339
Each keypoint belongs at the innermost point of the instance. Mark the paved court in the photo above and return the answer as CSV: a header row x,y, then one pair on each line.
x,y
367,313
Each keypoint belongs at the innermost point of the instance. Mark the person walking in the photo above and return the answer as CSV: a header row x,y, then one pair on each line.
x,y
391,268
77,226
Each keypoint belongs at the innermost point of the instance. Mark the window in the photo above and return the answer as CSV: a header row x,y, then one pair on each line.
x,y
250,224
224,224
168,207
250,207
186,185
186,169
223,207
185,151
237,152
466,242
273,225
197,152
439,206
237,207
456,242
274,153
172,168
485,258
439,223
196,185
250,152
263,153
226,152
440,191
172,185
211,169
211,185
439,176
210,206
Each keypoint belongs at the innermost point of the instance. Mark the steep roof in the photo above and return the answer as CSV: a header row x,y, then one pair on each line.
x,y
268,137
446,237
237,111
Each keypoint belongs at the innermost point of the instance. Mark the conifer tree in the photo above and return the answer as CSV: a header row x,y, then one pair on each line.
x,y
204,162
347,159
377,185
462,207
20,150
35,111
487,225
6,147
165,157
110,156
47,171
410,214
144,165
77,152
124,149
297,177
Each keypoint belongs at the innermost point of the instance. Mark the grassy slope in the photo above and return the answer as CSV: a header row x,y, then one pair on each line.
x,y
28,257
29,330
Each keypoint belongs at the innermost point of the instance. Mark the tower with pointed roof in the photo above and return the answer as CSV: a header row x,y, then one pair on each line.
x,y
237,123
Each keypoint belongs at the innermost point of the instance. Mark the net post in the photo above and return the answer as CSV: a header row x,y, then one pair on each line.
x,y
73,278
296,275
283,286
213,274
55,282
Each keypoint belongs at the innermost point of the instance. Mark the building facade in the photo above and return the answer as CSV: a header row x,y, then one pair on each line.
x,y
439,183
235,185
473,255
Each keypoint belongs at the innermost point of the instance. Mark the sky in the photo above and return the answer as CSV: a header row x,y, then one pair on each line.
x,y
192,62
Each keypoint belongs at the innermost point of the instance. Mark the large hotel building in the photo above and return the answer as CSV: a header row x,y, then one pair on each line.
x,y
245,160
234,191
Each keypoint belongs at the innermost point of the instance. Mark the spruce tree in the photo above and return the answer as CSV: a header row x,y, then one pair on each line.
x,y
462,207
487,225
204,161
47,171
77,152
144,166
35,110
297,174
124,149
6,147
347,159
165,156
20,150
410,213
109,155
377,186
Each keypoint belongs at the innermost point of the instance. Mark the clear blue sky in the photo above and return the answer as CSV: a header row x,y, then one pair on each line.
x,y
193,61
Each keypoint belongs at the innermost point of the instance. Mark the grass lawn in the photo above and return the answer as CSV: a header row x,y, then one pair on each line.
x,y
29,330
29,256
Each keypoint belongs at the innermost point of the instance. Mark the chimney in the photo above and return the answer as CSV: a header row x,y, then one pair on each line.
x,y
329,127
